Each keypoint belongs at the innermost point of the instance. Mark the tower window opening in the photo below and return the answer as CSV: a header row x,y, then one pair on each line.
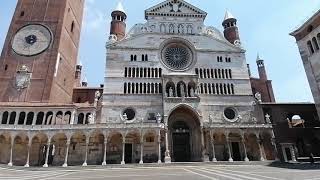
x,y
22,14
315,43
72,26
6,67
310,47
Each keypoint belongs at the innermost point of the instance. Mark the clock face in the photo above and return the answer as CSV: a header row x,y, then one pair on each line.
x,y
32,40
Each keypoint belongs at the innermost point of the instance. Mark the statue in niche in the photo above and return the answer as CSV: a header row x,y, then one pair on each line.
x,y
91,119
171,92
183,94
267,116
125,116
192,94
258,97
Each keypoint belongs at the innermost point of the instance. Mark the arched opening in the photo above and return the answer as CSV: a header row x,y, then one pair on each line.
x,y
181,89
185,135
49,118
59,118
40,117
20,150
30,117
12,117
5,143
114,149
57,150
5,117
22,117
170,89
96,142
67,118
80,118
77,149
38,150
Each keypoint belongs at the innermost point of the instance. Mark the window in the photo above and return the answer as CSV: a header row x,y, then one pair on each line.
x,y
310,47
150,139
72,26
6,67
230,113
22,14
315,43
310,28
129,113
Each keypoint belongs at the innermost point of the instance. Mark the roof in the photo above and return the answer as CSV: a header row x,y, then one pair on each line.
x,y
228,15
120,7
305,24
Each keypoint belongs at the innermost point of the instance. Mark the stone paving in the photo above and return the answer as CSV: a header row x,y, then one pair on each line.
x,y
185,172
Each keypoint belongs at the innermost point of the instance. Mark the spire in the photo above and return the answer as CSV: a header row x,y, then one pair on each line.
x,y
258,57
120,7
228,15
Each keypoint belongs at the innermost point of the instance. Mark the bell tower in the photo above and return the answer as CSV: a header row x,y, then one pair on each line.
x,y
39,57
261,68
118,23
231,31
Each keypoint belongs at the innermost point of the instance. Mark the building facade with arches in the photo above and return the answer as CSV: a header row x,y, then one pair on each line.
x,y
175,90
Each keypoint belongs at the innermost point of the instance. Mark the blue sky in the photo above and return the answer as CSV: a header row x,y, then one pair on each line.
x,y
264,28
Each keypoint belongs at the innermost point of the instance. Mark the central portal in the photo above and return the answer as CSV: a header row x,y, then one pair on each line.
x,y
185,135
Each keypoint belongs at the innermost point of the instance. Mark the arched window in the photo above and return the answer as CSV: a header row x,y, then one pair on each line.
x,y
142,58
315,43
129,88
137,72
209,89
213,89
81,118
22,117
131,57
88,118
12,117
156,73
201,74
201,88
49,118
149,88
40,117
141,72
189,29
217,89
146,57
125,72
212,73
232,89
197,71
141,90
149,73
135,57
30,117
129,73
222,72
310,47
67,118
5,116
137,88
125,88
156,88
144,88
152,72
133,89
221,89
152,88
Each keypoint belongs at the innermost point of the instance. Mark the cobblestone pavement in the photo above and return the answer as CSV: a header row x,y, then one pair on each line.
x,y
179,172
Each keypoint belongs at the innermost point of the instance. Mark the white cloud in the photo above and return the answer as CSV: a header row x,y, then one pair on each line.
x,y
93,17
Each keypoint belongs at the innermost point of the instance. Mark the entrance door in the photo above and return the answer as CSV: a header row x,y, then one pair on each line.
x,y
288,154
236,151
128,153
181,147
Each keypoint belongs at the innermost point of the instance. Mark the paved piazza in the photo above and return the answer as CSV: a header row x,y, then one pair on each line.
x,y
185,172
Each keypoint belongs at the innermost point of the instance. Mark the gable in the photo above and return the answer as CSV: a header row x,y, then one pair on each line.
x,y
175,8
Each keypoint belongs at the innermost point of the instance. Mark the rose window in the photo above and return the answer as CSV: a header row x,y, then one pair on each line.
x,y
177,56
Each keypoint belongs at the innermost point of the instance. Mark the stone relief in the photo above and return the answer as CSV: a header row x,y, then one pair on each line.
x,y
23,78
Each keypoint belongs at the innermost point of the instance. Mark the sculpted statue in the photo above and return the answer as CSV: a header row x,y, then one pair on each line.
x,y
125,117
171,92
91,119
192,92
267,116
258,97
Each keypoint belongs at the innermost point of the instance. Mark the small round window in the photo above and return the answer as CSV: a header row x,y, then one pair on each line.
x,y
129,114
230,114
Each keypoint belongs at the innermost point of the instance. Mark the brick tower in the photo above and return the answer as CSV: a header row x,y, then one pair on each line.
x,y
261,68
39,57
118,23
231,32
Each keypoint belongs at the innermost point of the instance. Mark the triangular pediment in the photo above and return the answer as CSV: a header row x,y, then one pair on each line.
x,y
178,8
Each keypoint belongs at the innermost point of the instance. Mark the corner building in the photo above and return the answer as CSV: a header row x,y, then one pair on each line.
x,y
186,83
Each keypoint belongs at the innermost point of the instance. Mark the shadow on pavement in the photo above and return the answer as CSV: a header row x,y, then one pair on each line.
x,y
296,165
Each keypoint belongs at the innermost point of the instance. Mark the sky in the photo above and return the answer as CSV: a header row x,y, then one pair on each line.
x,y
264,27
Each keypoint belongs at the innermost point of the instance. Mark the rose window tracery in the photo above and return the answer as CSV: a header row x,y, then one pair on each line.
x,y
177,56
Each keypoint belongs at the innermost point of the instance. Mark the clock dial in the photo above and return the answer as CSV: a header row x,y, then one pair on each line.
x,y
32,40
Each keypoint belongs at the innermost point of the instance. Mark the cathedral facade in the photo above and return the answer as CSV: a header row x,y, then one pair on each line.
x,y
176,90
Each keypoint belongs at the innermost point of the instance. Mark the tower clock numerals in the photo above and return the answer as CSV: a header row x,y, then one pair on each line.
x,y
32,40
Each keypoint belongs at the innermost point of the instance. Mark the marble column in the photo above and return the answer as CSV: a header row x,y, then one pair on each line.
x,y
34,120
274,144
246,159
123,150
65,164
11,151
104,163
260,148
293,154
159,147
28,155
17,118
86,155
229,150
205,157
73,115
167,155
214,159
141,150
47,152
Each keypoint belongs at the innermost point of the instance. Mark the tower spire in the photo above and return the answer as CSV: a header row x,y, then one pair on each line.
x,y
120,7
231,31
228,15
118,23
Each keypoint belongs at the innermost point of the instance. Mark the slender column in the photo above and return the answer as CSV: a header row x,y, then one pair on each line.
x,y
123,149
159,147
274,144
73,115
86,155
44,118
11,151
246,159
229,150
205,157
141,150
17,118
25,118
47,153
67,153
214,159
8,119
1,113
167,155
293,154
28,155
104,163
260,148
34,118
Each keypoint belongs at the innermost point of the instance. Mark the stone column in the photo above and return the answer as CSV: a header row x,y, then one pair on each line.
x,y
16,118
205,157
159,147
104,163
86,155
34,120
293,154
65,164
44,118
1,113
214,159
123,149
28,155
11,151
167,155
141,150
73,115
229,149
260,148
8,119
246,159
47,152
